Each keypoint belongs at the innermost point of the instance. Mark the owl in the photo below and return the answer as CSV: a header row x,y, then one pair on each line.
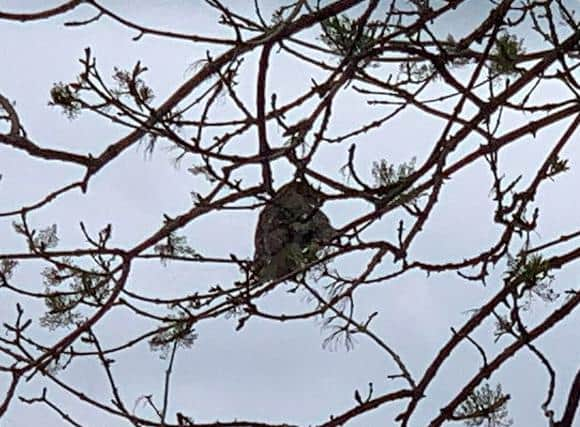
x,y
291,230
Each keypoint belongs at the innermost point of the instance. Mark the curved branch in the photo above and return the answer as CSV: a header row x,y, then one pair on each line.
x,y
44,14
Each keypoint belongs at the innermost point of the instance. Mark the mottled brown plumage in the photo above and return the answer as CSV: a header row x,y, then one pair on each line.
x,y
290,230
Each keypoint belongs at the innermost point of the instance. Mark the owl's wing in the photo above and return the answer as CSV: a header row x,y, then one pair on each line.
x,y
259,240
271,234
323,231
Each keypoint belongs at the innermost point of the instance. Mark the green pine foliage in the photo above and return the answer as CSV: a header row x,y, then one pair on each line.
x,y
486,407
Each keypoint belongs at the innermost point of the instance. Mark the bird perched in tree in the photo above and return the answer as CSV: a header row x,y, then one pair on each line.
x,y
291,231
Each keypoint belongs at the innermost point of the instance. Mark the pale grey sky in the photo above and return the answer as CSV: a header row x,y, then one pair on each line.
x,y
267,371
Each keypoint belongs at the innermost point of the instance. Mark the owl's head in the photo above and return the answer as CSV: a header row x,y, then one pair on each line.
x,y
299,192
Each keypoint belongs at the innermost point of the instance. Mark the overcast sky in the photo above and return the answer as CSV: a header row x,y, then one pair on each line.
x,y
267,371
